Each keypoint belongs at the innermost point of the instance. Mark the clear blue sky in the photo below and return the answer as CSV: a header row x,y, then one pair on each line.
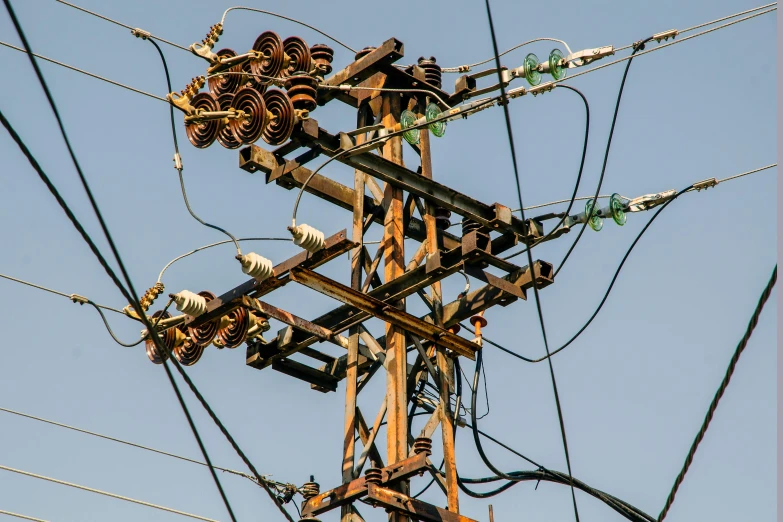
x,y
634,388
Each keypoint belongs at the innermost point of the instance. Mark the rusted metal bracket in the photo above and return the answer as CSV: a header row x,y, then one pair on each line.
x,y
385,312
416,509
305,373
357,488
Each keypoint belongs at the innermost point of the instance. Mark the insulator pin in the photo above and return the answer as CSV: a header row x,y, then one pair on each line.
x,y
256,266
308,238
189,303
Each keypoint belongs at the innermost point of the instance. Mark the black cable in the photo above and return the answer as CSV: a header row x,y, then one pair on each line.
x,y
721,390
108,328
177,155
530,264
606,294
638,46
578,177
129,293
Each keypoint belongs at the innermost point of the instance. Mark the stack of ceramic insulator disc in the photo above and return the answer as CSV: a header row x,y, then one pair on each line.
x,y
245,108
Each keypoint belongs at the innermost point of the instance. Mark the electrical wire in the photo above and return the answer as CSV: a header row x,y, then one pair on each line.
x,y
578,178
111,332
56,292
121,24
61,64
535,289
606,294
178,158
699,26
637,48
25,517
294,20
543,86
467,68
383,89
721,390
106,493
580,198
129,293
199,249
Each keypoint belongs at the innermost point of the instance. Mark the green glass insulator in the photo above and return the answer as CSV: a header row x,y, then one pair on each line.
x,y
618,209
532,75
595,222
432,112
407,119
557,71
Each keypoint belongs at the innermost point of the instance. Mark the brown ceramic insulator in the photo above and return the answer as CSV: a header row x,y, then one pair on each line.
x,y
281,125
442,216
468,226
373,476
299,54
322,56
235,333
271,45
202,135
301,88
169,338
422,445
432,72
188,353
228,83
248,80
310,490
364,52
247,130
204,334
226,135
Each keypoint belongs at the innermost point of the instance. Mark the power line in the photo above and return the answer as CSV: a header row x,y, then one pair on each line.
x,y
135,445
106,493
129,293
82,71
72,297
699,26
25,517
535,290
721,390
468,67
122,24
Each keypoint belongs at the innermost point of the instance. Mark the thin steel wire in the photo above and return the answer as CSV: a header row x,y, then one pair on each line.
x,y
294,20
106,493
543,86
382,89
199,249
719,394
139,446
57,292
705,24
126,26
25,517
82,71
468,67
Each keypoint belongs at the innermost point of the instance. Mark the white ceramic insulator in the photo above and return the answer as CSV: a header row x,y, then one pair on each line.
x,y
309,238
190,304
257,266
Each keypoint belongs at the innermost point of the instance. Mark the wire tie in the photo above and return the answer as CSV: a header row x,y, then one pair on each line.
x,y
141,33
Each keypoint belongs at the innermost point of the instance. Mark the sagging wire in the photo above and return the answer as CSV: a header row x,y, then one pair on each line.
x,y
347,87
467,68
294,20
199,249
639,46
578,177
177,158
